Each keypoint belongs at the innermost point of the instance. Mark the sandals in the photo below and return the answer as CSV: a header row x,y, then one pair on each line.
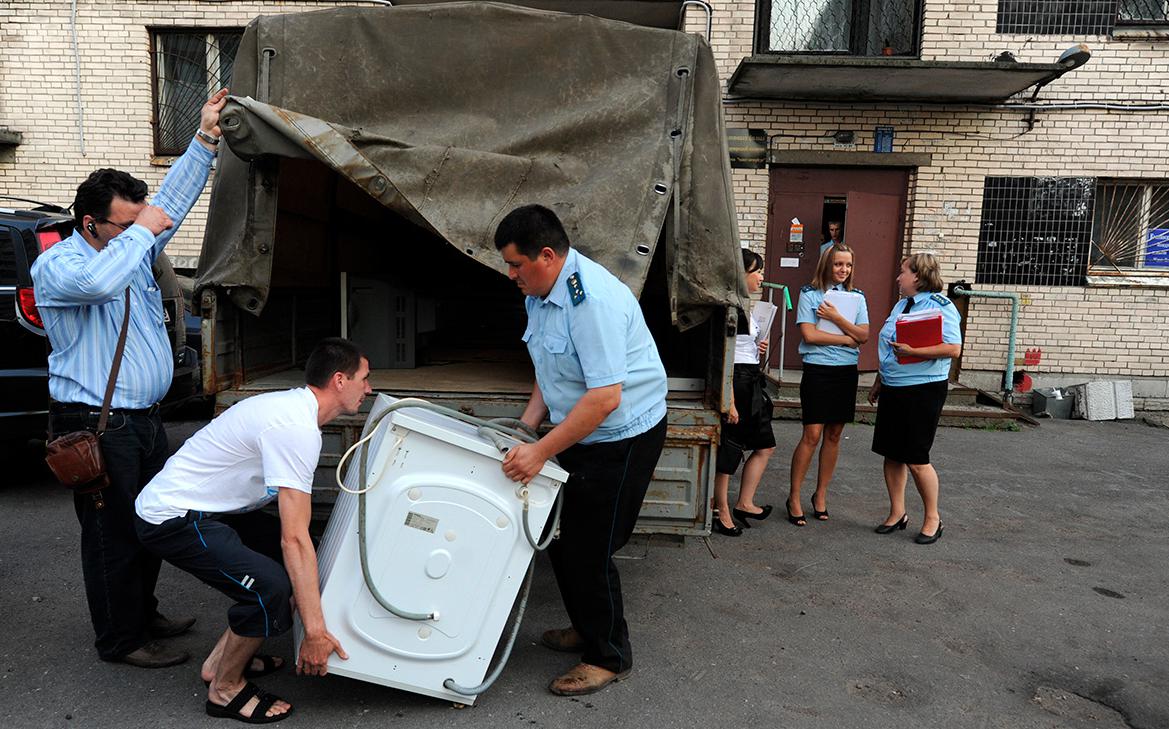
x,y
236,705
268,665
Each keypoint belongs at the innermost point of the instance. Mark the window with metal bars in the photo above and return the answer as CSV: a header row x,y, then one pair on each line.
x,y
1130,228
189,65
842,27
1081,17
1035,231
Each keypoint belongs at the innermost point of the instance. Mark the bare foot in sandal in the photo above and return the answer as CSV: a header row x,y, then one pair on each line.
x,y
249,704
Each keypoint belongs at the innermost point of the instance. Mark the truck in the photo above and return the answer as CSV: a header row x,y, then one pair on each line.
x,y
370,153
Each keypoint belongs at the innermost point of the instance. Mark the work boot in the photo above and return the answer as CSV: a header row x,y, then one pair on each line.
x,y
154,655
565,640
163,627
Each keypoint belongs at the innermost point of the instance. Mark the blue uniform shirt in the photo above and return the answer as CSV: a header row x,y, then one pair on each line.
x,y
826,354
588,333
918,373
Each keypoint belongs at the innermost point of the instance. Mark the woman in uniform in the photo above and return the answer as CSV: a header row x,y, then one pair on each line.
x,y
748,424
828,384
910,397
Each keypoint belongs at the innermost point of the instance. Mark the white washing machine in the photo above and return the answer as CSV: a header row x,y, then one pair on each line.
x,y
444,536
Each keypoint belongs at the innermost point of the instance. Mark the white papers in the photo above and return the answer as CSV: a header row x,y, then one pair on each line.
x,y
921,315
763,314
848,303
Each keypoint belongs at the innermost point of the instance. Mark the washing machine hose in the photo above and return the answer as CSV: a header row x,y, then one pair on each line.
x,y
493,430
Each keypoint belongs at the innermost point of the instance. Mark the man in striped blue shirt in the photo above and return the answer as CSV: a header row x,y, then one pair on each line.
x,y
80,286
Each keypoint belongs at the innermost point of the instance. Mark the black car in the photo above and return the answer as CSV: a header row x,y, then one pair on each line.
x,y
27,228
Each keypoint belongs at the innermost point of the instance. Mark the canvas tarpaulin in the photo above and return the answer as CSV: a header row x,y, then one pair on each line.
x,y
452,115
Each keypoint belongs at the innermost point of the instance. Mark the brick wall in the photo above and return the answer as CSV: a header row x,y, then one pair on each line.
x,y
1084,330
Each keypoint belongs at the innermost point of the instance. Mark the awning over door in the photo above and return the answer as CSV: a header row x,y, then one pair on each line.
x,y
852,79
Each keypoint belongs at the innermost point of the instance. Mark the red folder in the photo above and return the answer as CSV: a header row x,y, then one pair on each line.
x,y
919,332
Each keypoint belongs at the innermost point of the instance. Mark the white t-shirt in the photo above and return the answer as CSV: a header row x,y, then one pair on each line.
x,y
746,348
240,460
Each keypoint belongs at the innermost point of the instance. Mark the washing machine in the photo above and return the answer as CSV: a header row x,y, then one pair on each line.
x,y
444,537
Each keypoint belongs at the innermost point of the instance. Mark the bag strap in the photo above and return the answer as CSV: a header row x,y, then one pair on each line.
x,y
105,405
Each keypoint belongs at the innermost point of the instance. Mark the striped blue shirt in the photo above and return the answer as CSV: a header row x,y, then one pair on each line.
x,y
79,292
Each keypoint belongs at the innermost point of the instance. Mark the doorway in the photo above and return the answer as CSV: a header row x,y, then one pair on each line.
x,y
869,205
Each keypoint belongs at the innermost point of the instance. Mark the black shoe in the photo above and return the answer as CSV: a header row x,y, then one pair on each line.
x,y
820,515
732,531
923,538
743,516
800,520
161,627
154,655
890,528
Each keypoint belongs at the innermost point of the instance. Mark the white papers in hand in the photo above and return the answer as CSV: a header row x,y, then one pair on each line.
x,y
763,314
848,303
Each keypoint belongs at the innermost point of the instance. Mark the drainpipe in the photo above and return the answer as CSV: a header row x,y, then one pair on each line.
x,y
961,288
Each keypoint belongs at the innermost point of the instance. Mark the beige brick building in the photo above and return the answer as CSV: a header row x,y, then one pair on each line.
x,y
1088,161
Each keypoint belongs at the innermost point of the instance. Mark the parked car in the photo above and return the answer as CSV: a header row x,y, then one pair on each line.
x,y
28,228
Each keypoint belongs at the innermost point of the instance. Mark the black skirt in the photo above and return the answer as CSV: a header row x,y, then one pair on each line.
x,y
753,431
907,419
828,394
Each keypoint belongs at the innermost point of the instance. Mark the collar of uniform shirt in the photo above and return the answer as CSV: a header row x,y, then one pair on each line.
x,y
559,293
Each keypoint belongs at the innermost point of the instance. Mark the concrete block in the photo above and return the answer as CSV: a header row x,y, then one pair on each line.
x,y
1095,401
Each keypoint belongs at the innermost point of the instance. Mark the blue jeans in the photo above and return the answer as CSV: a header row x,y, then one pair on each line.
x,y
120,574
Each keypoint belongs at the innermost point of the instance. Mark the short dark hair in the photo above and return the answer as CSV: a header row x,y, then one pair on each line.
x,y
752,261
331,355
532,228
99,190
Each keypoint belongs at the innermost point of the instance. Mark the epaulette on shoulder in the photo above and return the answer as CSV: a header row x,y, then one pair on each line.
x,y
807,288
940,300
858,291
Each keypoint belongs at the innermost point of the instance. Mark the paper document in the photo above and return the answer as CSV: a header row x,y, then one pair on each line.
x,y
763,314
847,303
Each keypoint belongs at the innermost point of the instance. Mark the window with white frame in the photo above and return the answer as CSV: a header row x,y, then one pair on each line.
x,y
840,27
1130,229
189,64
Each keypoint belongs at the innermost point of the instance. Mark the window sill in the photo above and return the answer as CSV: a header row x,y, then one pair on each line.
x,y
1141,32
163,160
1128,279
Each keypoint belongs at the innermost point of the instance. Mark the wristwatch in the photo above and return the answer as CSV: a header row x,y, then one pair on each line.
x,y
208,138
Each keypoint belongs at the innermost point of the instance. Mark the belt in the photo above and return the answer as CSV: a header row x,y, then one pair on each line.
x,y
80,408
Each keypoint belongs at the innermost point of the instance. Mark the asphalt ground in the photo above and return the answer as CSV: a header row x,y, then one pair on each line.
x,y
1043,605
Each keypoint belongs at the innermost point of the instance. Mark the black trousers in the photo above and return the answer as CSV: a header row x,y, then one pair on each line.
x,y
601,501
237,554
119,573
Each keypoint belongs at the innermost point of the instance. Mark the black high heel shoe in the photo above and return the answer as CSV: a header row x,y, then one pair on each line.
x,y
743,516
923,538
800,520
899,525
819,515
734,531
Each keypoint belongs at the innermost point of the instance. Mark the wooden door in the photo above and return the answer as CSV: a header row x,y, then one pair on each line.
x,y
874,234
873,227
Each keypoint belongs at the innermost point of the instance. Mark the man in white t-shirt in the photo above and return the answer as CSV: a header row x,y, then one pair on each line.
x,y
200,514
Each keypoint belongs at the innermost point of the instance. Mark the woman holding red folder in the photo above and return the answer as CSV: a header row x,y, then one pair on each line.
x,y
910,390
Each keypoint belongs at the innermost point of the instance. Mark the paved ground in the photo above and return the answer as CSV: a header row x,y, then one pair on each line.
x,y
1044,605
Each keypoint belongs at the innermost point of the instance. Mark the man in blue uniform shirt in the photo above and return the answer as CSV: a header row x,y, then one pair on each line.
x,y
600,381
81,284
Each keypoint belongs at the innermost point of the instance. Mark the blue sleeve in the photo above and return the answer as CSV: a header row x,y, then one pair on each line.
x,y
181,188
951,325
598,334
806,309
862,314
65,277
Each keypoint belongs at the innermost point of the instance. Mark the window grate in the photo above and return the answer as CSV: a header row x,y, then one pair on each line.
x,y
1035,231
847,27
1143,12
189,66
1057,17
